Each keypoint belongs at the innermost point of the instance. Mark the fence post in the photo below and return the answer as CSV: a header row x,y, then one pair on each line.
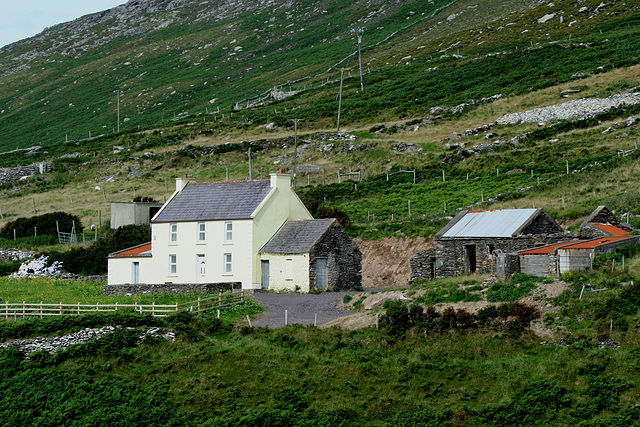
x,y
286,315
78,309
198,305
23,309
6,310
176,307
97,306
60,308
242,296
153,308
41,309
116,306
220,298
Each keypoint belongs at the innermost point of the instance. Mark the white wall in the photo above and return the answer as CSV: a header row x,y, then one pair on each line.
x,y
120,270
287,271
213,248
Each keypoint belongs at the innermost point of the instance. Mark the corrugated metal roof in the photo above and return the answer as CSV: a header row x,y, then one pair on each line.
x,y
140,250
590,244
501,223
611,229
212,201
545,250
297,236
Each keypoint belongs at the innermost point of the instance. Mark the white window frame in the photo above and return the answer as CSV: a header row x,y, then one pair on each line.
x,y
173,265
228,232
173,233
227,268
202,232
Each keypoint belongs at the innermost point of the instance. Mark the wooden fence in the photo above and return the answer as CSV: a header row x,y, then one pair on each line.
x,y
14,310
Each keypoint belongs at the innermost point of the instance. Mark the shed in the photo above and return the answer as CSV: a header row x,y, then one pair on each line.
x,y
603,222
133,213
581,255
542,261
311,254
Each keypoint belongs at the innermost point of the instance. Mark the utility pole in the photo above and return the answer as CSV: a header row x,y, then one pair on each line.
x,y
118,103
358,32
250,166
295,149
340,98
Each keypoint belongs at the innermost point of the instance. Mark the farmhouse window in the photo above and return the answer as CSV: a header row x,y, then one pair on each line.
x,y
228,232
227,264
202,235
173,264
173,233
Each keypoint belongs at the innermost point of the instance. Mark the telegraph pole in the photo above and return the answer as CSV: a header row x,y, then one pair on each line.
x,y
118,103
358,32
340,98
295,149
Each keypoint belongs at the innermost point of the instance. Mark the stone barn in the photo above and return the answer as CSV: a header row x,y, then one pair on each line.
x,y
602,222
311,254
480,241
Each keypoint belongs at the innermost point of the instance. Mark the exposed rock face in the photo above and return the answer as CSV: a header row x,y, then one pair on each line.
x,y
577,109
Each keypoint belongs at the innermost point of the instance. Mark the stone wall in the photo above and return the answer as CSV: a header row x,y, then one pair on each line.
x,y
344,260
143,288
452,258
422,264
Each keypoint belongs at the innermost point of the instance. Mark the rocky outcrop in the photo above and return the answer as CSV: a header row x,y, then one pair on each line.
x,y
10,175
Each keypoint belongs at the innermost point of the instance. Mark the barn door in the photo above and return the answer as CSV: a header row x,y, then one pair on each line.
x,y
321,273
265,274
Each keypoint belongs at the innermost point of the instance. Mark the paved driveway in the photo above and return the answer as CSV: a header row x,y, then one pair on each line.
x,y
301,308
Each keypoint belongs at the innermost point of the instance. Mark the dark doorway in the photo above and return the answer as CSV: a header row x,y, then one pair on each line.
x,y
471,258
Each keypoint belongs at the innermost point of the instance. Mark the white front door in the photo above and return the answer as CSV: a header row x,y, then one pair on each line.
x,y
200,269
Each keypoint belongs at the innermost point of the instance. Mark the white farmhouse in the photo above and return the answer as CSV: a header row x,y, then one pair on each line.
x,y
210,233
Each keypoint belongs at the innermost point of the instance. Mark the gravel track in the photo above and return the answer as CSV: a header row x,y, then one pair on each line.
x,y
302,308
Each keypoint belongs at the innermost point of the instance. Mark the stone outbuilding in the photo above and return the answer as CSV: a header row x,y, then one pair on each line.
x,y
481,241
602,222
305,255
580,256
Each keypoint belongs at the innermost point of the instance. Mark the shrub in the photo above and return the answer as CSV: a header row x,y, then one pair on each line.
x,y
45,225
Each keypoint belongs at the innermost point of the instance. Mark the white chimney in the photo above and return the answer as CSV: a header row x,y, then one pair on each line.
x,y
182,182
280,180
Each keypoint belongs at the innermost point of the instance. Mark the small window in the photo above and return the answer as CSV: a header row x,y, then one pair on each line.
x,y
228,232
288,270
173,234
173,265
202,235
227,264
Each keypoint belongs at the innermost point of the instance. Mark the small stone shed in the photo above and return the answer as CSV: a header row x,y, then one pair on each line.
x,y
479,240
311,254
603,222
133,213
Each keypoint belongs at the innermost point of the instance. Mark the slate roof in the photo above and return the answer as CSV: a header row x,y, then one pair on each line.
x,y
210,201
297,236
500,223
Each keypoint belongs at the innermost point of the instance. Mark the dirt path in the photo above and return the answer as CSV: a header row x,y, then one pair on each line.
x,y
301,308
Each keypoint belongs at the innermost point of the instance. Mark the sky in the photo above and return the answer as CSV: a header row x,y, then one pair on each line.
x,y
20,19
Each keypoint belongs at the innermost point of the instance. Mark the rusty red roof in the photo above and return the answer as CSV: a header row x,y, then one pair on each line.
x,y
545,250
611,229
590,244
141,250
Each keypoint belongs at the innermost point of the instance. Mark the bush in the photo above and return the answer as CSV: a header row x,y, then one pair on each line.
x,y
44,225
